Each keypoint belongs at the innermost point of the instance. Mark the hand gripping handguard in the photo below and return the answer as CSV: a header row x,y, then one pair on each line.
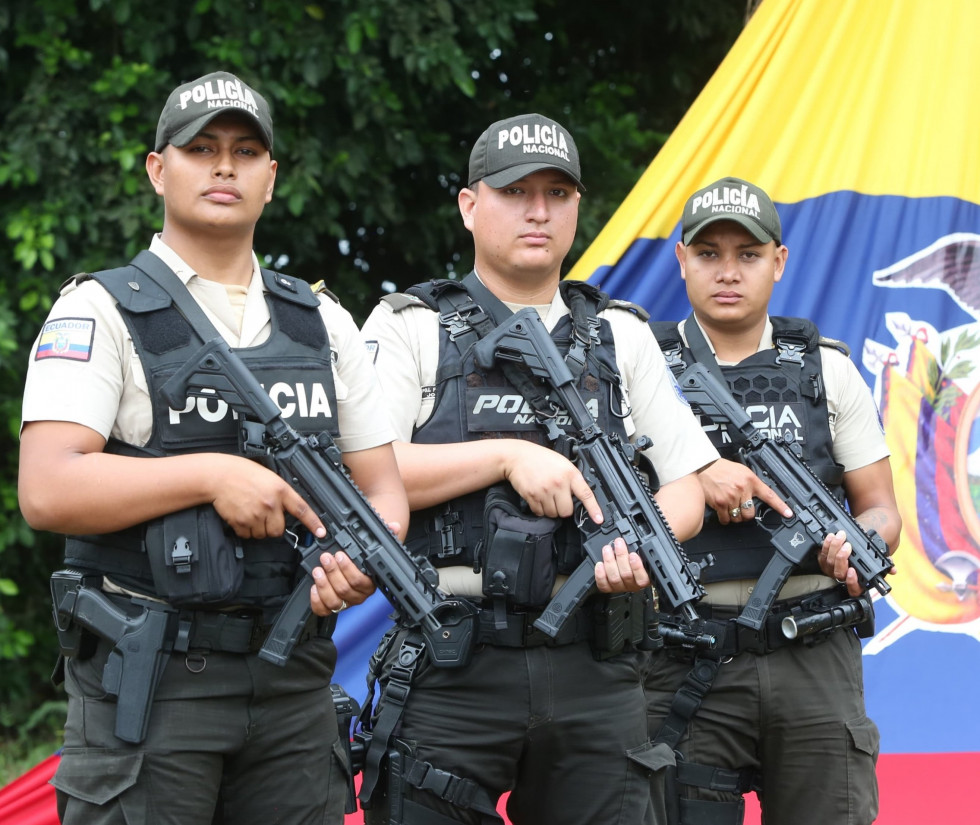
x,y
312,466
816,511
609,466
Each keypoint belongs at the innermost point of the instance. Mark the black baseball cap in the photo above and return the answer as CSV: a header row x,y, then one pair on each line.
x,y
193,105
513,148
732,199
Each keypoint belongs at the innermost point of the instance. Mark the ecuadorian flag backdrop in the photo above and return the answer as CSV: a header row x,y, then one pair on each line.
x,y
861,120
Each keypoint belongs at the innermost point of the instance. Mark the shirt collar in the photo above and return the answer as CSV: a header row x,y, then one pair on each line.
x,y
180,267
765,342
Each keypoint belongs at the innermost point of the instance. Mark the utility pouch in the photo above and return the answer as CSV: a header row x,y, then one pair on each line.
x,y
619,623
194,557
518,552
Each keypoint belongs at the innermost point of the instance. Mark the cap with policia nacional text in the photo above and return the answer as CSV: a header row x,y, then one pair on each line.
x,y
193,105
513,148
732,199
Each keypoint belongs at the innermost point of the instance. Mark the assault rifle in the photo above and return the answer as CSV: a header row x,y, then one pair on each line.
x,y
816,511
608,464
312,466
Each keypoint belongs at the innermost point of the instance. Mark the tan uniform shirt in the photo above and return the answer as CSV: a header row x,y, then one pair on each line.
x,y
406,346
92,374
855,424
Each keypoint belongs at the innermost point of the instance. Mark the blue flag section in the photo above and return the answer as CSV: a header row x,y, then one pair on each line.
x,y
857,118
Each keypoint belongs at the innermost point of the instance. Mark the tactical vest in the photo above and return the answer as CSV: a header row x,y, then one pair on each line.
x,y
472,403
782,390
293,365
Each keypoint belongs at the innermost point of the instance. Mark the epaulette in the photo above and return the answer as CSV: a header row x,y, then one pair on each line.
x,y
320,288
76,279
833,343
636,309
402,300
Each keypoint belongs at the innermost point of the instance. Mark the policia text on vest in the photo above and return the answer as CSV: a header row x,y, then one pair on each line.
x,y
816,511
523,345
313,467
143,642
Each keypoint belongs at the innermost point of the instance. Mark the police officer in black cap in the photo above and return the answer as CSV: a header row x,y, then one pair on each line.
x,y
560,723
783,716
176,541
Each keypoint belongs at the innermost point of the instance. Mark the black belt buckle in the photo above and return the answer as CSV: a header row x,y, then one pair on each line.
x,y
531,635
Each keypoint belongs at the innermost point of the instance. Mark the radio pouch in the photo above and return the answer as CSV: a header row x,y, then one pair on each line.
x,y
518,554
194,557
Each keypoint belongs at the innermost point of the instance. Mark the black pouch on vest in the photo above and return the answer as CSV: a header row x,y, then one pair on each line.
x,y
195,558
518,554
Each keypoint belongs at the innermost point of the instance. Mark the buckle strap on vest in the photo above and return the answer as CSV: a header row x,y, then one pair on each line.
x,y
716,779
456,790
582,307
687,700
393,700
684,706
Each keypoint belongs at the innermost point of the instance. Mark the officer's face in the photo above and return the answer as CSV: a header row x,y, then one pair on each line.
x,y
730,275
523,230
220,181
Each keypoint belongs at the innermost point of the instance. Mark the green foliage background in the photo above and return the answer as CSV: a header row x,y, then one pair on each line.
x,y
376,104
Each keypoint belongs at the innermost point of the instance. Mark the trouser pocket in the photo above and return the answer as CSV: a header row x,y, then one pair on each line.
x,y
862,756
98,787
659,762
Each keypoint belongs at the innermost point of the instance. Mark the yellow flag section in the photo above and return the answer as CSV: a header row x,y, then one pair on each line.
x,y
816,96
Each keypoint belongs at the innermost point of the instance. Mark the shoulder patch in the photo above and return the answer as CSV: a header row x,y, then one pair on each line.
x,y
401,300
67,338
677,389
629,306
833,343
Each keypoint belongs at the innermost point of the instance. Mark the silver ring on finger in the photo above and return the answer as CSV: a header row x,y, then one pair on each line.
x,y
735,512
343,606
748,505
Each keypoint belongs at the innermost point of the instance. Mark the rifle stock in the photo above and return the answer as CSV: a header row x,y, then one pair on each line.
x,y
312,466
609,466
816,511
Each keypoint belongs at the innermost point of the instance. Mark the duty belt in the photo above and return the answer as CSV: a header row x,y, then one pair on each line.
x,y
230,633
611,623
516,629
142,634
731,638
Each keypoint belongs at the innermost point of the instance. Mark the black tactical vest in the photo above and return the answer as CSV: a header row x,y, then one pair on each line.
x,y
472,403
294,367
782,390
